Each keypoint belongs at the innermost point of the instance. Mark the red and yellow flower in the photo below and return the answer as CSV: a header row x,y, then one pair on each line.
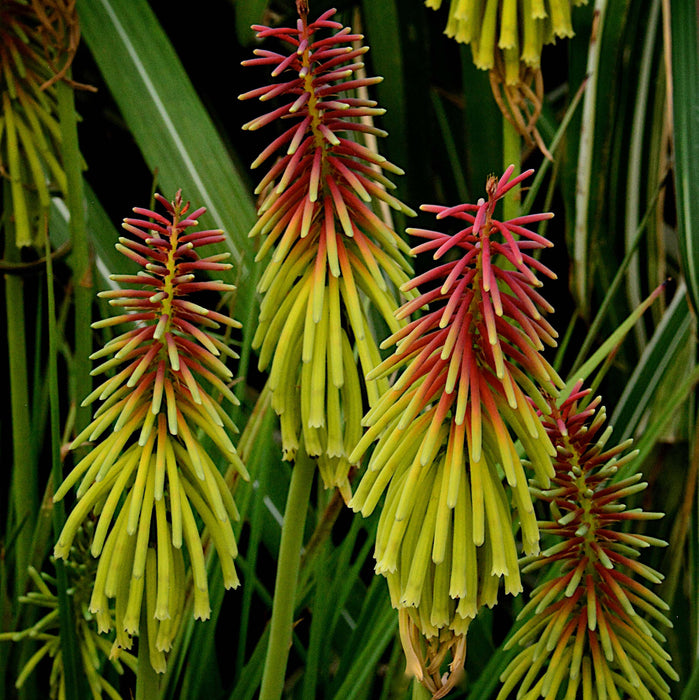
x,y
151,475
471,376
331,254
593,628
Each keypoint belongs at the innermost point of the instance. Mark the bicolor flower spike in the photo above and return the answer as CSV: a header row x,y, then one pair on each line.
x,y
592,631
446,429
38,39
151,475
330,252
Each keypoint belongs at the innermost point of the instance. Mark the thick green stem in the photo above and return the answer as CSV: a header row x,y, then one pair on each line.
x,y
24,471
287,577
512,155
80,256
23,485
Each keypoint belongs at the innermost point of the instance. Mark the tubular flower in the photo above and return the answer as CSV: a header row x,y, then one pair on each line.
x,y
330,253
95,650
151,475
38,39
506,38
584,630
445,429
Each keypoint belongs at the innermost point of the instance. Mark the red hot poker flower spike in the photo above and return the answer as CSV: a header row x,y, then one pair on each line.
x,y
470,366
586,628
330,251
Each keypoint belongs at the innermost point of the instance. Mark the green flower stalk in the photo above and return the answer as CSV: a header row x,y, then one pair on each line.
x,y
445,431
38,39
95,650
506,39
153,474
330,253
591,631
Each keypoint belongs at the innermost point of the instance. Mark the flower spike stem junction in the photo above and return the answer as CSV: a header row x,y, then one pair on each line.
x,y
287,576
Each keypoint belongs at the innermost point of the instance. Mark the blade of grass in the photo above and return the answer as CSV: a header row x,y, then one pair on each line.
x,y
381,24
659,164
168,121
349,588
481,122
685,98
338,591
511,155
596,197
376,626
585,152
5,623
265,441
249,680
631,248
691,690
677,542
668,411
102,234
394,678
636,163
321,609
612,342
565,341
534,188
670,338
453,154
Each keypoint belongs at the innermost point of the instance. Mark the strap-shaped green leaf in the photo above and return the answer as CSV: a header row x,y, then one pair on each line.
x,y
662,354
168,121
684,20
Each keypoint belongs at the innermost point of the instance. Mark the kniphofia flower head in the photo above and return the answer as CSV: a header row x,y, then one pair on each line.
x,y
330,252
148,473
593,628
506,39
446,429
38,39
